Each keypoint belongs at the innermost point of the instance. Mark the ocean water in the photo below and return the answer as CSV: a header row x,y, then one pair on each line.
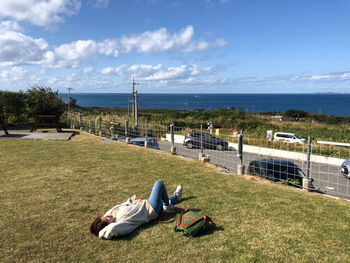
x,y
334,104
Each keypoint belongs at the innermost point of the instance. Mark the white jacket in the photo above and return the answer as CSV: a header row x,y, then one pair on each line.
x,y
129,217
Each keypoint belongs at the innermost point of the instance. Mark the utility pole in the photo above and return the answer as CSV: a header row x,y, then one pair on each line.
x,y
129,101
136,108
186,104
70,114
134,101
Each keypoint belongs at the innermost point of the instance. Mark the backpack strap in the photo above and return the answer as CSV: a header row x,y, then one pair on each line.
x,y
210,220
192,222
177,217
167,221
197,219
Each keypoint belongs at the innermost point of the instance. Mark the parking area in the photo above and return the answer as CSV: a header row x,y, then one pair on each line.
x,y
327,178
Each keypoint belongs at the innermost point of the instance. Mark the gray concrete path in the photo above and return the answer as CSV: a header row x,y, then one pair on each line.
x,y
37,135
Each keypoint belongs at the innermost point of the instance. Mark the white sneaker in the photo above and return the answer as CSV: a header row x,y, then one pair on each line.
x,y
178,193
169,208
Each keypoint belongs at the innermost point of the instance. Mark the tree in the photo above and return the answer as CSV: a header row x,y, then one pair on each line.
x,y
44,101
12,105
296,113
73,103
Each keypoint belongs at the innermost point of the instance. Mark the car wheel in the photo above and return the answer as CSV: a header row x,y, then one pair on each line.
x,y
219,147
189,145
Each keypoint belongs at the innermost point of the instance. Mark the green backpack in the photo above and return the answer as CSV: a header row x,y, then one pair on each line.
x,y
190,223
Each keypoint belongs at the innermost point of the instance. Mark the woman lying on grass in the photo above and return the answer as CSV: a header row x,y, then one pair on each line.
x,y
124,218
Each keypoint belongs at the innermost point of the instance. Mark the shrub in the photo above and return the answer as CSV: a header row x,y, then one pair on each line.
x,y
296,113
44,101
12,105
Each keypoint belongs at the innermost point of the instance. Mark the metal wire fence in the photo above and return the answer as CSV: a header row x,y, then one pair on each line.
x,y
312,166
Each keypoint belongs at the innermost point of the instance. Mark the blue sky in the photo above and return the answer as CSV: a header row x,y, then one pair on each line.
x,y
180,46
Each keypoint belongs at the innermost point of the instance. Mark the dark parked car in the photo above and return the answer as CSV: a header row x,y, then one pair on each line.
x,y
140,141
277,170
345,167
193,140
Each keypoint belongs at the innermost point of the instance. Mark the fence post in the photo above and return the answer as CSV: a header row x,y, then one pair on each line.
x,y
203,157
172,131
201,139
90,124
71,120
146,128
308,157
146,134
100,126
240,166
81,121
307,181
127,139
112,128
210,127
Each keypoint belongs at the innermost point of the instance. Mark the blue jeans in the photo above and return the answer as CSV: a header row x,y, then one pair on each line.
x,y
159,196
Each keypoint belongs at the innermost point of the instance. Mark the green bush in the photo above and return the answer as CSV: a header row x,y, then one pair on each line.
x,y
12,107
44,101
296,113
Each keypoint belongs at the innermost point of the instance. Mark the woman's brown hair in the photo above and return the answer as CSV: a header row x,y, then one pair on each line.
x,y
98,225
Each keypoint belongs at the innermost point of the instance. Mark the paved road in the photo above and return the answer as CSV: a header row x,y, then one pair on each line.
x,y
326,177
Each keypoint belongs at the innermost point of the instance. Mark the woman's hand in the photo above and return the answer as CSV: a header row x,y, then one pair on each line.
x,y
137,201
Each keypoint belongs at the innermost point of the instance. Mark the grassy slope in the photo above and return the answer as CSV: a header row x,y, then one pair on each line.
x,y
52,191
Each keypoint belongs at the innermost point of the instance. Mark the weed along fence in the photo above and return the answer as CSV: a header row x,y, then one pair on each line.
x,y
310,166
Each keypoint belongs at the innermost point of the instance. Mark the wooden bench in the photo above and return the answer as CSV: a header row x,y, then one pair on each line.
x,y
46,121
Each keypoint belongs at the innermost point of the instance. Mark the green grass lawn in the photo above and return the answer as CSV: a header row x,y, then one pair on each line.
x,y
51,191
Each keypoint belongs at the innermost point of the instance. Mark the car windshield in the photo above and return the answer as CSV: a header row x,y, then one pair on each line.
x,y
297,137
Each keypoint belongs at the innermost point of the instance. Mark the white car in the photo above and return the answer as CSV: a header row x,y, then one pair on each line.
x,y
140,141
345,167
288,137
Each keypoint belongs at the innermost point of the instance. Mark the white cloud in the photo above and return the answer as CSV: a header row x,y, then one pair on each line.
x,y
102,3
157,72
70,55
17,48
160,40
195,71
331,76
72,77
150,77
325,77
110,70
318,77
9,26
142,71
87,70
43,13
14,74
169,73
108,47
202,45
53,81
